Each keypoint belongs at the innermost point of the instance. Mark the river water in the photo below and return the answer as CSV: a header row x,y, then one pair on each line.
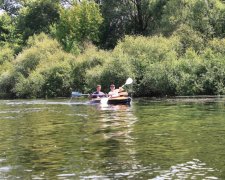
x,y
151,139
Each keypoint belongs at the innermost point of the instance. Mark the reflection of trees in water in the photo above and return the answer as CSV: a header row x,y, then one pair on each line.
x,y
123,156
115,126
100,142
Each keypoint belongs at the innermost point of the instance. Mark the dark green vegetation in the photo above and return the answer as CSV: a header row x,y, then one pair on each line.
x,y
169,47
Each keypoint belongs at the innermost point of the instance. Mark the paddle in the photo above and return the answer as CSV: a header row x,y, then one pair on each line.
x,y
128,81
78,94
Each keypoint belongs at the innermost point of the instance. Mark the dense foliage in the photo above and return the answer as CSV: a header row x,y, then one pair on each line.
x,y
169,47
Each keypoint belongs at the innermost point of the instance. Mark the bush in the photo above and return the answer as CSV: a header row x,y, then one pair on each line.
x,y
158,80
214,78
30,87
188,71
85,62
115,70
148,49
155,63
57,81
217,45
6,54
42,69
143,54
189,38
7,82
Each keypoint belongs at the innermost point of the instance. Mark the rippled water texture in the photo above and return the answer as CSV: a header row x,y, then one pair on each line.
x,y
151,139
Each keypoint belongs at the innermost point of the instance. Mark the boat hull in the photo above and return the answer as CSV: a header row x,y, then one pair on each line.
x,y
119,100
114,101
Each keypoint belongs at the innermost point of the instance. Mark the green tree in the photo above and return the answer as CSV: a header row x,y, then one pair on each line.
x,y
78,23
204,16
6,55
8,35
10,6
129,17
189,38
6,28
37,16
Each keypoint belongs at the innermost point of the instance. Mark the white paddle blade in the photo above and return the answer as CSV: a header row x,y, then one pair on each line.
x,y
129,81
76,94
104,100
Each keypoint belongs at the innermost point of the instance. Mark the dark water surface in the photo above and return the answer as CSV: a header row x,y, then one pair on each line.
x,y
151,139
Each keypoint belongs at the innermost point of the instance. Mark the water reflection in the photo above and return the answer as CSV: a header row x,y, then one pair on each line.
x,y
194,169
150,140
116,121
115,126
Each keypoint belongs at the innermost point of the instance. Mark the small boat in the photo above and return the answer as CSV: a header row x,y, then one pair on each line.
x,y
119,100
114,100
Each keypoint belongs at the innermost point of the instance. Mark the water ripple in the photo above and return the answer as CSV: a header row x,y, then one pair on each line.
x,y
65,175
5,169
189,170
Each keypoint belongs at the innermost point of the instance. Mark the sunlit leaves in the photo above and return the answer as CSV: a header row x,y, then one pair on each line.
x,y
37,17
41,70
79,23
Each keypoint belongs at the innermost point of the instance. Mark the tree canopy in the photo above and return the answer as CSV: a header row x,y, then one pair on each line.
x,y
78,23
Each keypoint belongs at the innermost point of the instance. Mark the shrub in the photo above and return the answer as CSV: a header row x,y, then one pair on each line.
x,y
158,80
6,54
88,60
7,82
57,81
217,45
42,69
115,70
144,54
214,78
189,38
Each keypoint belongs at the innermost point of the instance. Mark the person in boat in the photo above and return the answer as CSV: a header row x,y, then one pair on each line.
x,y
114,92
98,93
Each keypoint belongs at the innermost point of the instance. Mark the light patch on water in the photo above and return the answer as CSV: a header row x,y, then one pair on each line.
x,y
2,160
33,109
36,177
9,117
108,107
66,175
5,169
28,170
25,110
9,111
44,102
194,169
211,177
81,115
94,177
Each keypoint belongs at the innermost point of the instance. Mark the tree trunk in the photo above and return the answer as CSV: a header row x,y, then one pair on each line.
x,y
139,18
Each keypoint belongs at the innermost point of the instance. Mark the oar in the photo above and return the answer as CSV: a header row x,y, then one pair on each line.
x,y
128,81
78,94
